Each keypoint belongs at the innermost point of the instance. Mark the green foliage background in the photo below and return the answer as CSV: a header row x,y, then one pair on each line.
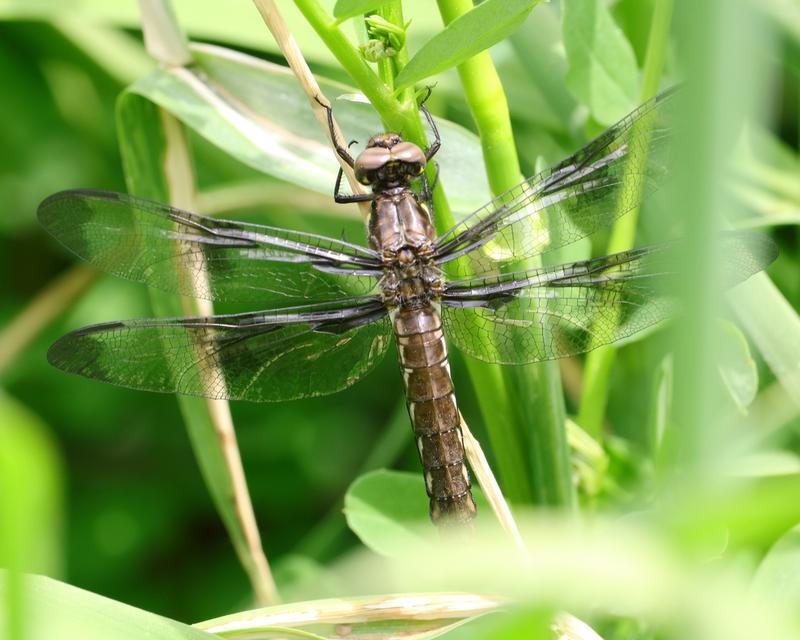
x,y
116,501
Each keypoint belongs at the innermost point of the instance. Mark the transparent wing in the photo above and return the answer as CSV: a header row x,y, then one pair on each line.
x,y
202,257
570,200
563,310
265,356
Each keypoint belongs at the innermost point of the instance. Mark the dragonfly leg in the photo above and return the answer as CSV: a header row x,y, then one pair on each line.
x,y
427,190
343,153
436,176
437,140
340,198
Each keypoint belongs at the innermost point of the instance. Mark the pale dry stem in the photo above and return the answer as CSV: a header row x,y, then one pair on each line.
x,y
490,487
42,310
180,180
166,43
288,45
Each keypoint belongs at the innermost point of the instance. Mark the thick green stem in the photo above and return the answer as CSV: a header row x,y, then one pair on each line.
x,y
532,393
600,362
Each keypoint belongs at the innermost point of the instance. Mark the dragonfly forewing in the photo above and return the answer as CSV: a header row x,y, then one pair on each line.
x,y
178,251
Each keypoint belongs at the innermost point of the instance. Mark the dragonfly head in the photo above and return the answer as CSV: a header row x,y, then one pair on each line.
x,y
389,161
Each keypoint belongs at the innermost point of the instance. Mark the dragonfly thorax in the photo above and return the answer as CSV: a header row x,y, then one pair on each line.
x,y
399,288
410,278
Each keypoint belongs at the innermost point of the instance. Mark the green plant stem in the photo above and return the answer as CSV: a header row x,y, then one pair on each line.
x,y
487,102
393,12
401,116
600,362
532,393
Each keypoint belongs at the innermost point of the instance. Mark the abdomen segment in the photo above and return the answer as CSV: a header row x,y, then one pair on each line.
x,y
434,414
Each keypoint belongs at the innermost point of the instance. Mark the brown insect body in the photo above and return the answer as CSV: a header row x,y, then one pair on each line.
x,y
400,229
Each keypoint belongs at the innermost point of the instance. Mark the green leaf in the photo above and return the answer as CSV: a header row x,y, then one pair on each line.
x,y
241,23
601,65
386,510
344,9
30,509
589,459
737,367
773,325
764,464
765,180
778,576
661,401
255,112
30,491
478,29
57,610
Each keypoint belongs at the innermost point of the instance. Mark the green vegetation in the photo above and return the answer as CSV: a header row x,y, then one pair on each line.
x,y
655,483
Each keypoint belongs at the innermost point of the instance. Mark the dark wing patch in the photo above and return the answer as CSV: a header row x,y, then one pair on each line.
x,y
564,310
264,356
183,252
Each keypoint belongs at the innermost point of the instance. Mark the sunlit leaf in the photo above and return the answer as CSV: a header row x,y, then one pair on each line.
x,y
386,510
256,112
30,491
601,71
661,400
768,463
471,33
774,327
778,575
737,367
57,610
344,9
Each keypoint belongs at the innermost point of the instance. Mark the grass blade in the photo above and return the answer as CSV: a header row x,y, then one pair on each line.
x,y
146,133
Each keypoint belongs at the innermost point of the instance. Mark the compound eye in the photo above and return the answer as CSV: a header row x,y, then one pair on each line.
x,y
420,169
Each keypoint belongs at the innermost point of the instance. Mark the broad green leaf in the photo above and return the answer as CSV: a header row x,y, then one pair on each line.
x,y
774,327
477,30
778,575
57,610
255,111
387,509
344,9
767,463
539,52
201,19
30,491
737,367
785,14
143,147
601,66
766,180
589,459
661,398
30,510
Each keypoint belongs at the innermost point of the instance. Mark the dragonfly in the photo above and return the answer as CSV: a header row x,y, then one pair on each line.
x,y
330,309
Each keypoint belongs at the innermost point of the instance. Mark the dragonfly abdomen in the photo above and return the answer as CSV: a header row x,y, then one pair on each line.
x,y
422,352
